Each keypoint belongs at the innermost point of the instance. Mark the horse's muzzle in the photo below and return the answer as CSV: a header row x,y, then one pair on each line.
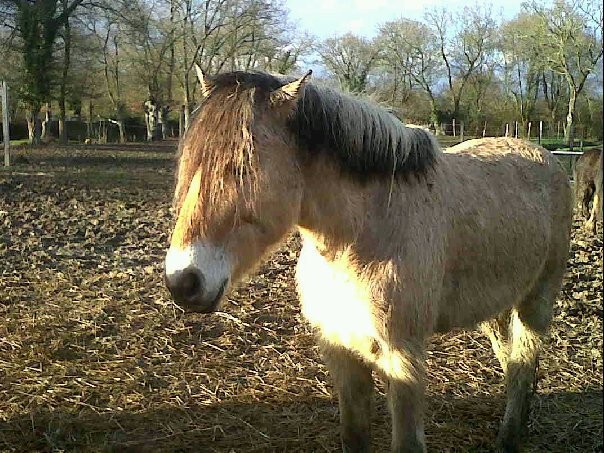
x,y
188,290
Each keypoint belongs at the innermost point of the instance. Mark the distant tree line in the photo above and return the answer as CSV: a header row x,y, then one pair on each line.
x,y
118,59
543,65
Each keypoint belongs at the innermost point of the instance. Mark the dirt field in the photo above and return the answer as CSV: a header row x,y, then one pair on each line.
x,y
95,357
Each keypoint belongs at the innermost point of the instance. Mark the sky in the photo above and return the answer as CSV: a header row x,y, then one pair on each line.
x,y
329,18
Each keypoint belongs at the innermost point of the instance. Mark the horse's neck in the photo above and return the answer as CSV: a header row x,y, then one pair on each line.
x,y
340,212
333,206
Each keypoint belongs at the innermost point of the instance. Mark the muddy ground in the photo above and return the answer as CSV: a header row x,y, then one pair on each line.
x,y
95,357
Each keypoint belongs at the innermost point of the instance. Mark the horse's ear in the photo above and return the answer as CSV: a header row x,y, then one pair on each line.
x,y
204,81
290,91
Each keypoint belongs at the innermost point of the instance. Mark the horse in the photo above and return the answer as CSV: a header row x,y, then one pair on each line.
x,y
400,239
587,174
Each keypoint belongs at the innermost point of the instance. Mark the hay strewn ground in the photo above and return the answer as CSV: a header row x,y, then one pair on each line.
x,y
94,356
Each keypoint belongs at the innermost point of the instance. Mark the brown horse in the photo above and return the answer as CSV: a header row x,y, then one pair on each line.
x,y
400,240
596,212
588,186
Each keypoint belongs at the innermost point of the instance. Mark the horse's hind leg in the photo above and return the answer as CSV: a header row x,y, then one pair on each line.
x,y
354,383
596,211
587,201
520,379
529,322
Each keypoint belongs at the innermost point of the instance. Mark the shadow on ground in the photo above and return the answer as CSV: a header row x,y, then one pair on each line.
x,y
453,424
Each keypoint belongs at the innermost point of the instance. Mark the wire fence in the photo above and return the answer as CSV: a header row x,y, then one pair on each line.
x,y
549,135
541,132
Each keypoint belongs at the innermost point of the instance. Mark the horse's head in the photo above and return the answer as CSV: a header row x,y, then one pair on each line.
x,y
239,185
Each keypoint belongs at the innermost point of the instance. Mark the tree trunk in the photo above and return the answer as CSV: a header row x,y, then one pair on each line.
x,y
172,65
89,123
187,104
46,122
456,104
570,117
102,131
181,122
122,130
150,126
33,129
62,134
434,117
65,71
162,119
186,67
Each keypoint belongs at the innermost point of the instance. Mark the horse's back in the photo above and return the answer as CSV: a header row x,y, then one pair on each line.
x,y
523,162
511,170
588,161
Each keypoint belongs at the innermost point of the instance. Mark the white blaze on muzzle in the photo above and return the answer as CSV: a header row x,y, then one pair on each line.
x,y
210,261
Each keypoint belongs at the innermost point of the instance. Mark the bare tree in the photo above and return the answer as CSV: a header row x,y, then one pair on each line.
x,y
412,51
109,39
466,42
233,35
555,93
350,58
522,63
571,45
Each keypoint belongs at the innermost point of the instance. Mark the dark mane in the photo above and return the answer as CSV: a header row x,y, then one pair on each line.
x,y
246,80
364,138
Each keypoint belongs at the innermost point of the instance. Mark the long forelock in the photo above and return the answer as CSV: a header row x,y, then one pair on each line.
x,y
219,142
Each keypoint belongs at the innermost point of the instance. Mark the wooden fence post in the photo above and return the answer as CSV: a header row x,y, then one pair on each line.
x,y
461,131
515,129
5,124
529,131
484,130
453,127
507,129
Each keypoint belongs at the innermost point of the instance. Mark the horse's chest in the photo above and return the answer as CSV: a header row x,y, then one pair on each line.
x,y
334,301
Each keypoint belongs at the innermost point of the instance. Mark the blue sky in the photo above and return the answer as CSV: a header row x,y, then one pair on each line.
x,y
328,18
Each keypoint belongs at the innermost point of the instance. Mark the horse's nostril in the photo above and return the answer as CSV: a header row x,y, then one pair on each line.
x,y
190,284
185,286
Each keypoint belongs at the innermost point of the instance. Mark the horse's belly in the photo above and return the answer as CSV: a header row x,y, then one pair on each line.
x,y
335,302
468,301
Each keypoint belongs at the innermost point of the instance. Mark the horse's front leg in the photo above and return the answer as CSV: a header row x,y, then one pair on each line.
x,y
406,402
354,383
